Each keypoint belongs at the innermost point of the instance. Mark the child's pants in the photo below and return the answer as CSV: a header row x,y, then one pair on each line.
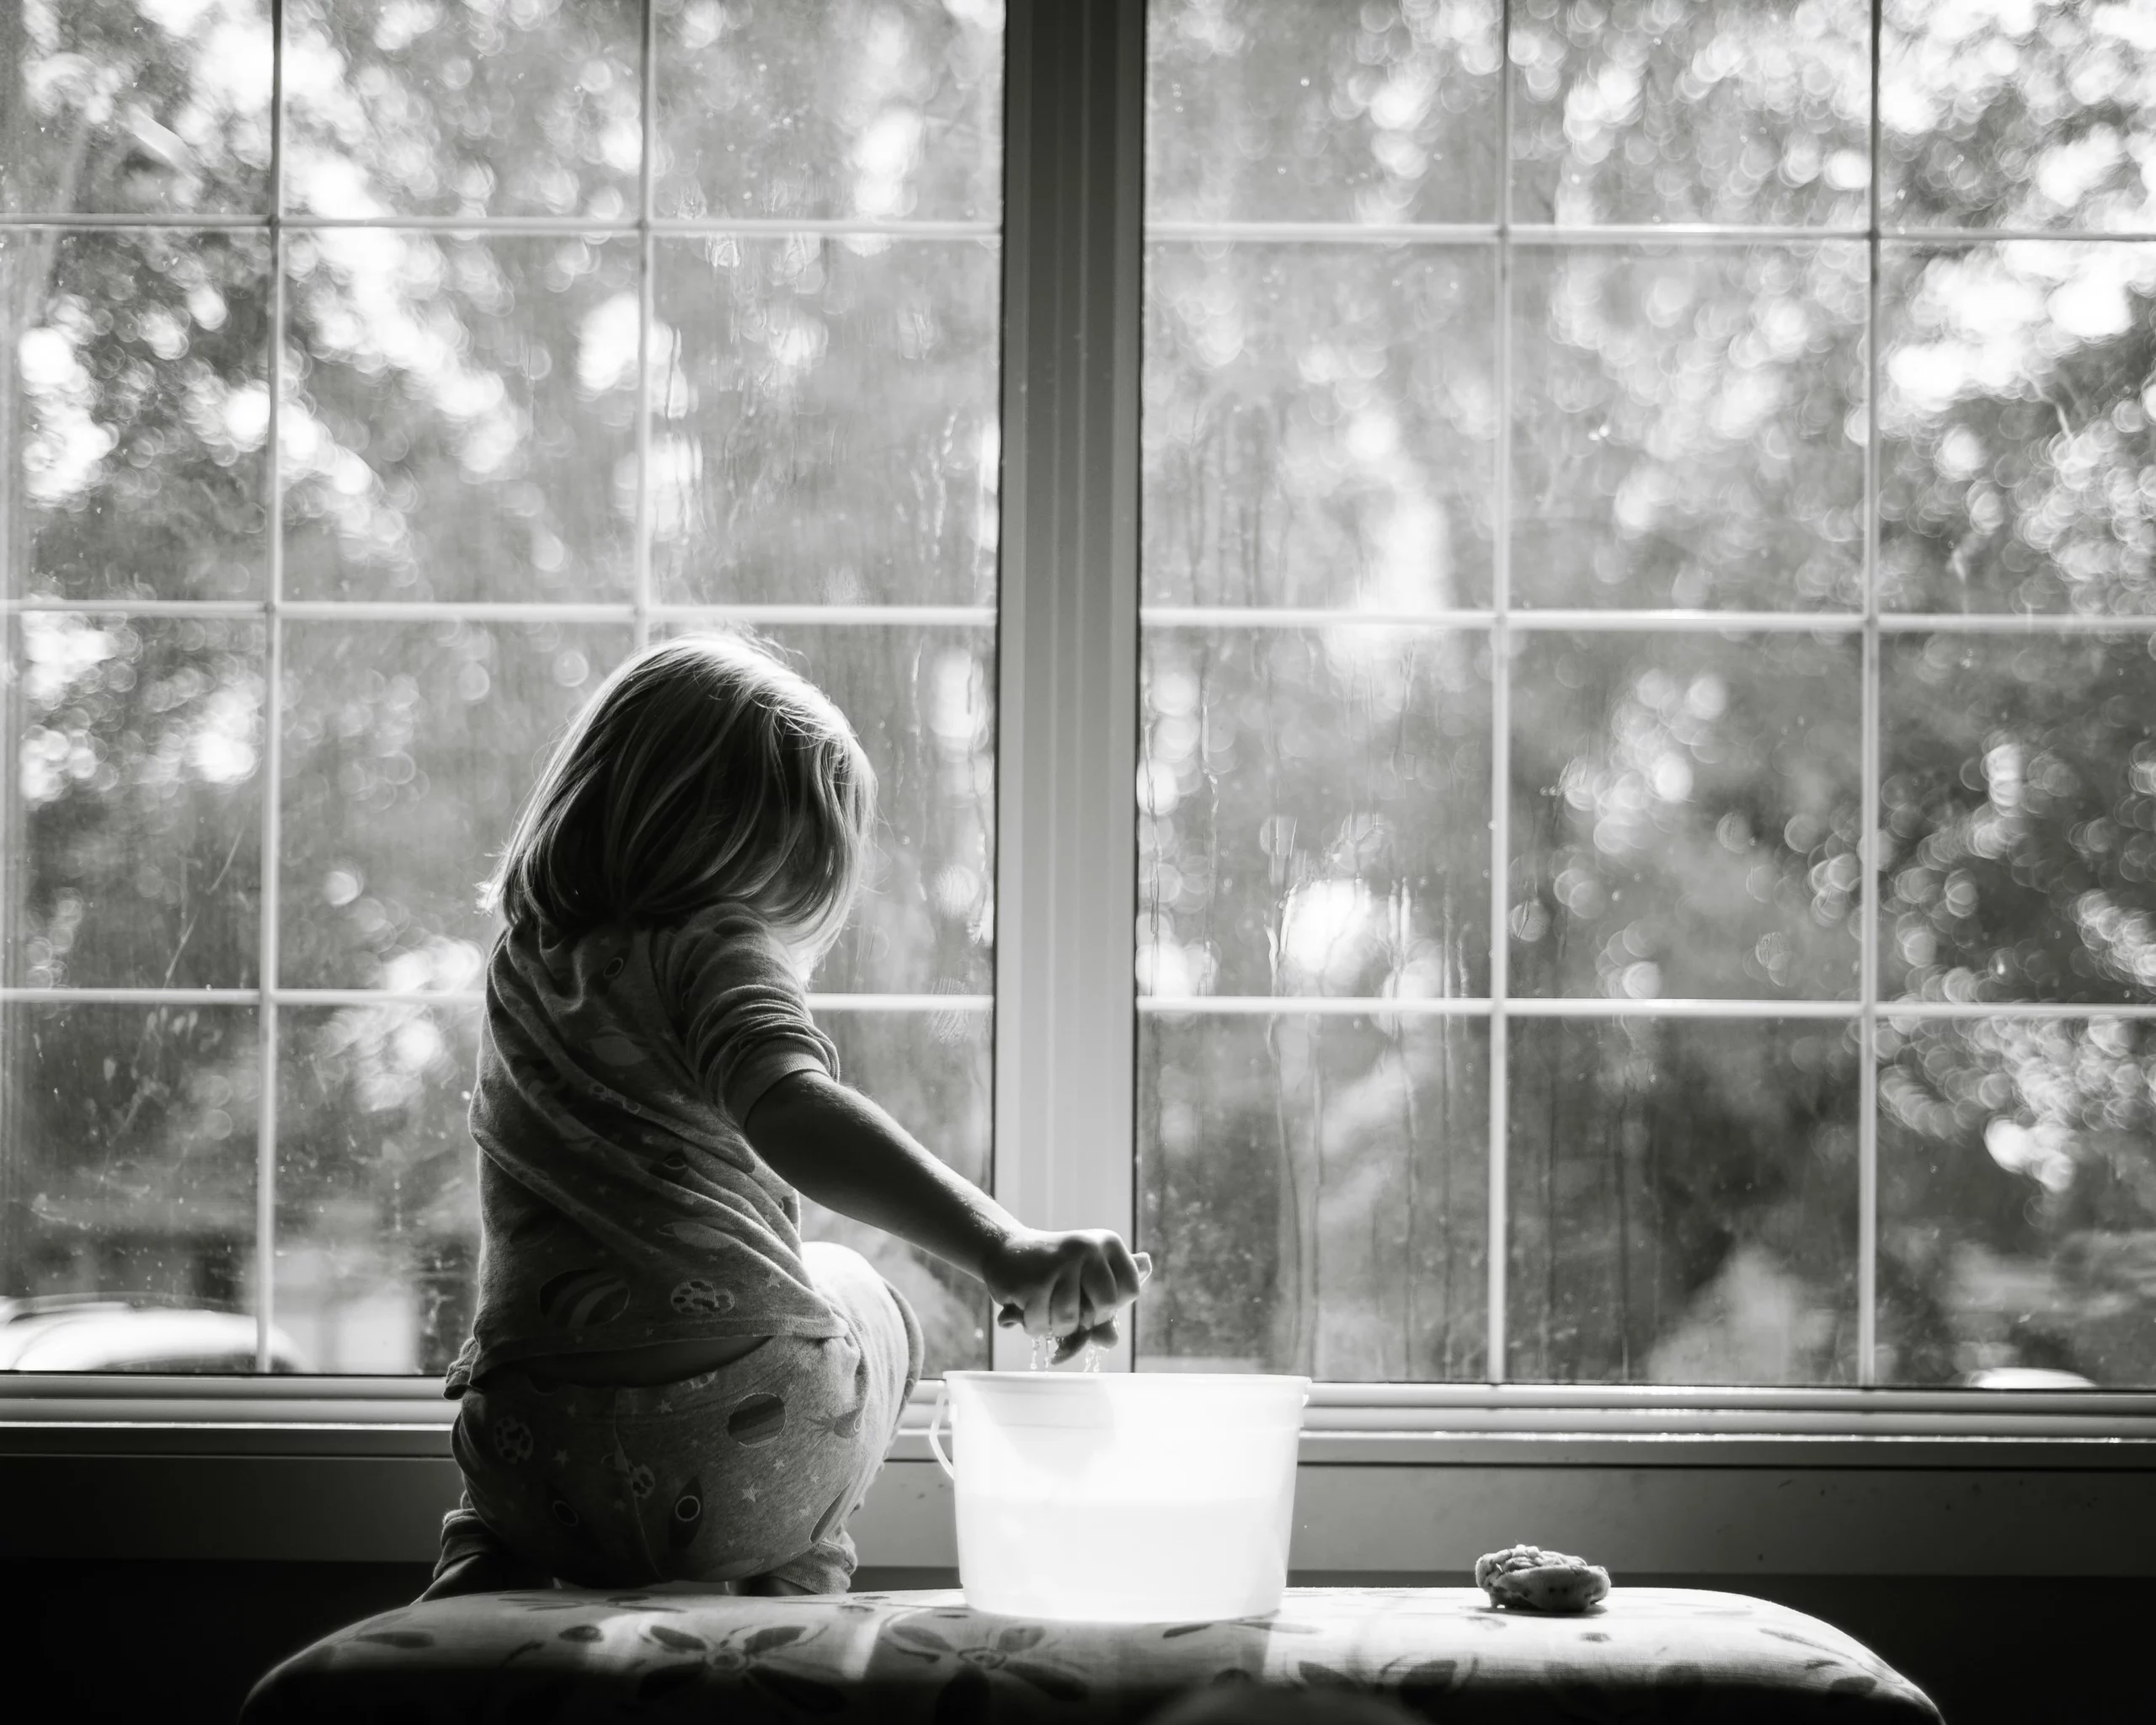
x,y
745,1474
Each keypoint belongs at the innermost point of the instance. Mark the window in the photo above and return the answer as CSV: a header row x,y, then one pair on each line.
x,y
1589,489
370,398
1593,464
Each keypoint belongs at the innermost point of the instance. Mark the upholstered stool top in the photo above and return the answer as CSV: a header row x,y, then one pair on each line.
x,y
1443,1654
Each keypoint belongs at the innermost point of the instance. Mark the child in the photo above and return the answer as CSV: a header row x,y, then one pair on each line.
x,y
664,1383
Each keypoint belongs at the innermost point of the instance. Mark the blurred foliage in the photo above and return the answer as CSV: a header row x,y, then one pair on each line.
x,y
849,108
1309,110
1322,427
769,481
429,108
1315,1189
1687,429
1742,111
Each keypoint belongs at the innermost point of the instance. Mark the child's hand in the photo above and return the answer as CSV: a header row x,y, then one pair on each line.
x,y
1070,1286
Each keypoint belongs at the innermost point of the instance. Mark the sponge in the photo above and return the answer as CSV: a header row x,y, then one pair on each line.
x,y
1528,1579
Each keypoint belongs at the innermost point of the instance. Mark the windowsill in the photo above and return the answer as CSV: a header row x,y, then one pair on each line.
x,y
1343,1423
1398,1481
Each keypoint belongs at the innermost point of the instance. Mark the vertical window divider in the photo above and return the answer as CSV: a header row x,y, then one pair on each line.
x,y
1501,704
273,724
647,299
1869,858
1067,629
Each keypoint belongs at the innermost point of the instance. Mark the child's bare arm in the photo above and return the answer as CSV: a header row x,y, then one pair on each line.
x,y
835,1145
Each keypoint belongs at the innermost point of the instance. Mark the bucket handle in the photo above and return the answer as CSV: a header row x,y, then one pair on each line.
x,y
935,1430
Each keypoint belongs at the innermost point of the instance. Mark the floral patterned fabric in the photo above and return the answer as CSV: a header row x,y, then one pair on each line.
x,y
1443,1654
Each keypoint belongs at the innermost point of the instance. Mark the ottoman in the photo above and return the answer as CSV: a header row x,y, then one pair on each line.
x,y
1442,1653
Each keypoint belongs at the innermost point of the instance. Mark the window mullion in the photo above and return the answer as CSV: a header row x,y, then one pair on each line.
x,y
1871,862
1067,669
640,549
1497,1159
273,728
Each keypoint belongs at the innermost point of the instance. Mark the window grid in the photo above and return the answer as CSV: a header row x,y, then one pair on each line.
x,y
1867,841
1501,621
640,547
1497,1154
641,612
1374,234
272,747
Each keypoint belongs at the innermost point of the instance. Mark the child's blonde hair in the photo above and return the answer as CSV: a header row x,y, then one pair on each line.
x,y
703,771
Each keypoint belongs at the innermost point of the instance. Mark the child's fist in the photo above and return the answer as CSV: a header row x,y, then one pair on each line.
x,y
1070,1286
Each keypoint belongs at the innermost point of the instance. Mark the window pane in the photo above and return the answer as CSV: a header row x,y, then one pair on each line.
x,y
133,851
127,1152
876,109
825,415
377,1209
134,420
1741,111
2017,1233
1318,426
922,702
459,425
1688,426
1314,812
2042,116
1309,110
530,110
2017,463
1312,1191
408,749
462,417
934,1071
117,108
1685,815
2017,781
1684,1200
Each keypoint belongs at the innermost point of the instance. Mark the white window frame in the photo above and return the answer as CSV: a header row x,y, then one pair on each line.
x,y
1066,1005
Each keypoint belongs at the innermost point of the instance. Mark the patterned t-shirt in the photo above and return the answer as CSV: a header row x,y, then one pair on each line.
x,y
620,1203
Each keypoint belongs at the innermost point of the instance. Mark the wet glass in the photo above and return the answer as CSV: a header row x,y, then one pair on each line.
x,y
878,110
1684,1202
133,850
2035,116
1313,812
934,1071
824,420
1309,110
378,1230
461,416
1685,815
1688,427
377,1243
136,415
460,425
2017,796
2017,1234
1745,112
2017,465
529,109
1314,1193
130,1158
1319,425
922,702
116,108
408,750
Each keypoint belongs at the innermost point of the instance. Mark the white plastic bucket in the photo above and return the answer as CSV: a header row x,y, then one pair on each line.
x,y
1122,1497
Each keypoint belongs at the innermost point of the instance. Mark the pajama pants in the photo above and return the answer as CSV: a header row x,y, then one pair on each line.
x,y
746,1474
